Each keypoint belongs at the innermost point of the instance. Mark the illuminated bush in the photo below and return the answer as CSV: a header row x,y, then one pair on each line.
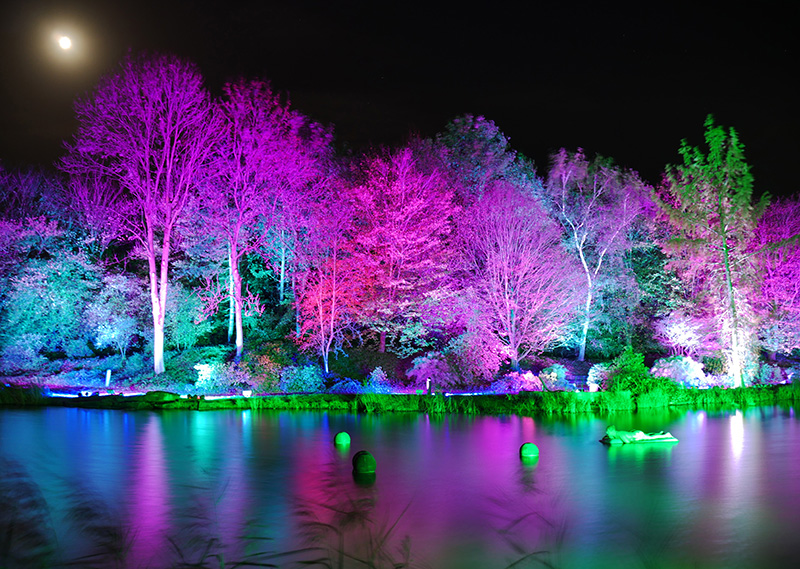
x,y
554,378
378,382
44,308
184,323
432,366
598,377
681,369
264,366
515,382
628,373
301,379
221,379
116,313
770,374
21,353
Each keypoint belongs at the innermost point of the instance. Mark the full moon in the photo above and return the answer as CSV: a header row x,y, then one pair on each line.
x,y
64,42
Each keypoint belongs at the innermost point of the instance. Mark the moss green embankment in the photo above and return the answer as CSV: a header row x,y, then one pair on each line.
x,y
526,403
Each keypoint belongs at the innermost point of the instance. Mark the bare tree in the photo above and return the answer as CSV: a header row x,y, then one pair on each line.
x,y
333,282
523,275
596,204
147,129
269,157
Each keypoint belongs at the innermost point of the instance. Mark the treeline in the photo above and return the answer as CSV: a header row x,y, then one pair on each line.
x,y
179,218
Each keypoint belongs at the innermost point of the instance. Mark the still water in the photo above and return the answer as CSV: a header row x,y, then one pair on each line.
x,y
450,492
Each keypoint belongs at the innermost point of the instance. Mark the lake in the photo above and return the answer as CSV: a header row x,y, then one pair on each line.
x,y
157,489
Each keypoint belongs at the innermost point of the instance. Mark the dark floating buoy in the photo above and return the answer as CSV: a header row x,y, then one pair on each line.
x,y
341,439
363,463
528,451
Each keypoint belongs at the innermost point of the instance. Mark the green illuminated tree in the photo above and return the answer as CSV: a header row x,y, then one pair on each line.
x,y
710,205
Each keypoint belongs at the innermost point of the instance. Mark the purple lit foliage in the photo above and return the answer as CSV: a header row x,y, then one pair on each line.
x,y
403,223
524,280
267,157
332,285
147,129
778,258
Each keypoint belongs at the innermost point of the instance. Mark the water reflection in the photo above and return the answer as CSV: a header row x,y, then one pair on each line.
x,y
450,491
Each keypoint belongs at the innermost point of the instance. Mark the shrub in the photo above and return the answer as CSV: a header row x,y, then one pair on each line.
x,y
433,366
378,382
265,364
554,378
22,354
475,357
598,377
184,325
681,369
628,373
301,379
221,379
346,385
516,382
769,375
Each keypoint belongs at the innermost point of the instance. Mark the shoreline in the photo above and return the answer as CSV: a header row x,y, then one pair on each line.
x,y
524,403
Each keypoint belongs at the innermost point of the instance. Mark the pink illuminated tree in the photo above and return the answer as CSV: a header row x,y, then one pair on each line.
x,y
778,259
527,283
269,157
596,204
404,220
332,283
145,133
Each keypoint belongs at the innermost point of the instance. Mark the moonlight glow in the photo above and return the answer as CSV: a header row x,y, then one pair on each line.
x,y
64,42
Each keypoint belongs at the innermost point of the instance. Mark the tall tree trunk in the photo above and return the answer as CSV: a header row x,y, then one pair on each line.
x,y
237,297
585,329
158,295
296,307
736,363
382,342
231,300
282,276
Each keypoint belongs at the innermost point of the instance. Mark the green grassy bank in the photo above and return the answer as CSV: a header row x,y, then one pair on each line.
x,y
526,403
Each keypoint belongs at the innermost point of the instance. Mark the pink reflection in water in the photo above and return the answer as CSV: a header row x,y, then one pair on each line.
x,y
149,488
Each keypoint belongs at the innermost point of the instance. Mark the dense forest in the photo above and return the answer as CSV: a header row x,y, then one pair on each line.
x,y
229,236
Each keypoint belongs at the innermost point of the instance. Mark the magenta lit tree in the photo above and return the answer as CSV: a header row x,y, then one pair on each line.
x,y
778,259
403,222
524,278
332,282
145,132
268,157
597,204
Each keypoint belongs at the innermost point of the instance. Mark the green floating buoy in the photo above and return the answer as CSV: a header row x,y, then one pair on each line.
x,y
528,451
341,439
363,463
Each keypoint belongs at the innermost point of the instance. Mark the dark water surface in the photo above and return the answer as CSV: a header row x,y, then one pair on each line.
x,y
211,487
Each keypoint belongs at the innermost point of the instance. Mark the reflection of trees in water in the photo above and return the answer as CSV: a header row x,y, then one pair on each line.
x,y
528,525
26,535
342,532
343,525
28,538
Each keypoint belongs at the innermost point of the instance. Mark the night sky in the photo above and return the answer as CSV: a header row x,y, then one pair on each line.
x,y
621,79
